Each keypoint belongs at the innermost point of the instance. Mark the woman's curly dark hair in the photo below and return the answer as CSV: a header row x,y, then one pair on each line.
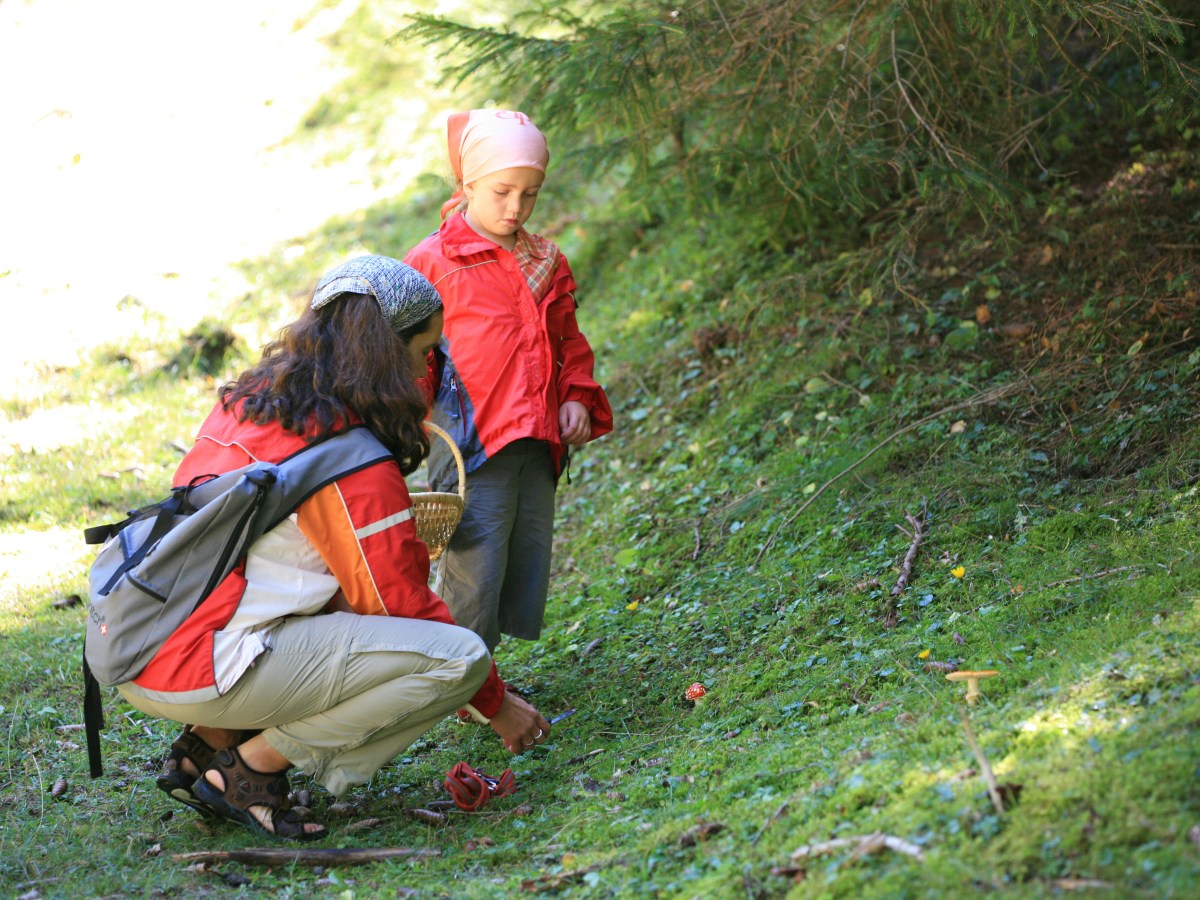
x,y
332,364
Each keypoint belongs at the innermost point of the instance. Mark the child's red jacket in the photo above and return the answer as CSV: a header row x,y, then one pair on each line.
x,y
509,360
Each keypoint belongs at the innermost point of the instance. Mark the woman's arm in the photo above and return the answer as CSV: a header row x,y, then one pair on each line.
x,y
362,527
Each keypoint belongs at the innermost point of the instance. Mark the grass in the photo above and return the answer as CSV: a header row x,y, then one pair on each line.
x,y
742,528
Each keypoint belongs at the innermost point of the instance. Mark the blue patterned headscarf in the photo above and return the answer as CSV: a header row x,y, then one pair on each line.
x,y
404,294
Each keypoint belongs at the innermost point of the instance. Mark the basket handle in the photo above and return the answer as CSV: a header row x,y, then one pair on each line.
x,y
458,460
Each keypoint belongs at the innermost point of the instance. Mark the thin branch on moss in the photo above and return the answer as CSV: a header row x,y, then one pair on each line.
x,y
985,767
918,536
1103,573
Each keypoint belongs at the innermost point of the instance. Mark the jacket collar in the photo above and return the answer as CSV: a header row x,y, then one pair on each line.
x,y
460,239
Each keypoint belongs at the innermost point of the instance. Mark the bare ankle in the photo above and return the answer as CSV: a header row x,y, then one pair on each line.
x,y
217,738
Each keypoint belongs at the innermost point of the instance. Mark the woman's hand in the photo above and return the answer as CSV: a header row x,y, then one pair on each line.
x,y
519,725
574,423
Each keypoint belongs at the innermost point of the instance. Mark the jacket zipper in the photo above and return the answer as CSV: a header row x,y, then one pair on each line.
x,y
462,406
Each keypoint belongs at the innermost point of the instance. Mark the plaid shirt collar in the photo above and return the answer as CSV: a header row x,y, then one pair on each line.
x,y
538,259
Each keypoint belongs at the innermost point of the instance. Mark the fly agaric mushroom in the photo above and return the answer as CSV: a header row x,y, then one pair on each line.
x,y
972,679
695,693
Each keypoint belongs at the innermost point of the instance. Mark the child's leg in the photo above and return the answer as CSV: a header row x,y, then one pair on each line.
x,y
475,564
527,576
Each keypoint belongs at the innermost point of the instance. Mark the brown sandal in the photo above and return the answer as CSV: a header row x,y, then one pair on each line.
x,y
245,789
174,780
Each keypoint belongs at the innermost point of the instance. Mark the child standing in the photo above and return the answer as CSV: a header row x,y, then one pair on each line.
x,y
512,377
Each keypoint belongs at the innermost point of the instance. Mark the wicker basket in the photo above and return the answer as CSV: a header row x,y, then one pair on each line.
x,y
437,513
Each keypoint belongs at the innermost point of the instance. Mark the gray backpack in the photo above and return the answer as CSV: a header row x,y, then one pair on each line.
x,y
163,560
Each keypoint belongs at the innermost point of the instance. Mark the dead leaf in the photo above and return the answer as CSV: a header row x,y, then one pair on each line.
x,y
1047,255
1009,792
698,833
1015,330
958,427
983,315
795,873
554,882
591,785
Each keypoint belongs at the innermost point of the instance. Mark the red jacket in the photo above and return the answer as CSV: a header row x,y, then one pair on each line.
x,y
510,359
376,571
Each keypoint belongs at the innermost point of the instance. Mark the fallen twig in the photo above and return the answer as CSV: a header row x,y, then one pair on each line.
x,y
863,845
1101,574
770,819
988,396
984,767
305,856
918,535
696,549
575,760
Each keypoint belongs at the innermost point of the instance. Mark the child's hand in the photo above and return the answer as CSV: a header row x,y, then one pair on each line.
x,y
574,423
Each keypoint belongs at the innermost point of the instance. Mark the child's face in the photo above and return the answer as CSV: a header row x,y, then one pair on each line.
x,y
500,203
422,343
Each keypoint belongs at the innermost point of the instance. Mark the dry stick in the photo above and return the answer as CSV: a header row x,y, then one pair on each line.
x,y
984,767
867,843
281,856
773,817
1099,574
987,396
918,534
937,139
696,550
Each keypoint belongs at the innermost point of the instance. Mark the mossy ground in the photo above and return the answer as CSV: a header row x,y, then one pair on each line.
x,y
1034,406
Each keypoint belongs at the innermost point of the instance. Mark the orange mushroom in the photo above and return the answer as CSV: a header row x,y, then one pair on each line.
x,y
972,679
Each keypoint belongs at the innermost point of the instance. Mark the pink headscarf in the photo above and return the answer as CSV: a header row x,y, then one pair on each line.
x,y
484,141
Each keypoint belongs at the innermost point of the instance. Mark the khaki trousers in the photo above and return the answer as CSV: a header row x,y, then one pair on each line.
x,y
340,695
